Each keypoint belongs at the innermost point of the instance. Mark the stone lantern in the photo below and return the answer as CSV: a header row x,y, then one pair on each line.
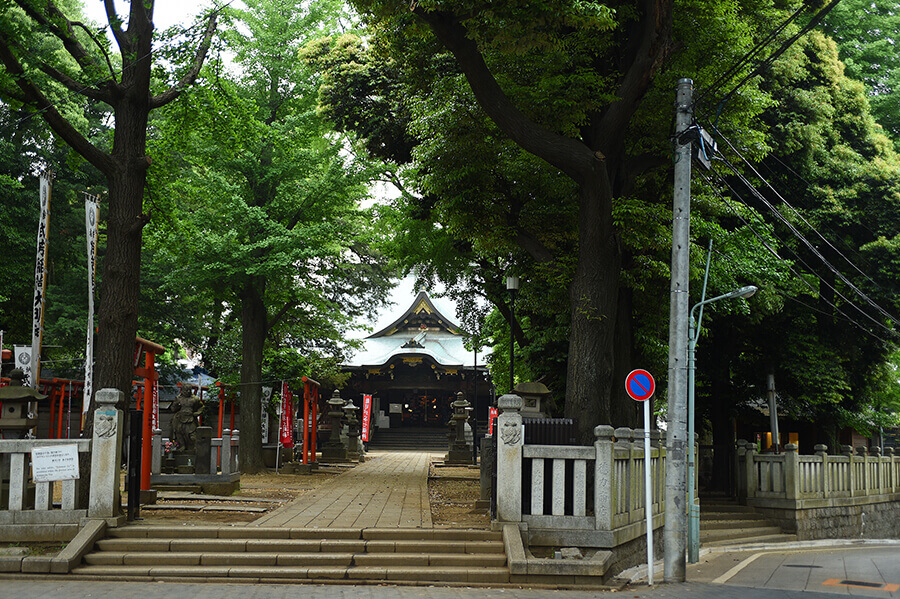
x,y
335,450
460,451
17,419
353,452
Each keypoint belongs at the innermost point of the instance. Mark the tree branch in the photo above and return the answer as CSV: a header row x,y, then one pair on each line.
x,y
115,24
188,79
75,86
87,30
649,44
60,125
569,155
67,36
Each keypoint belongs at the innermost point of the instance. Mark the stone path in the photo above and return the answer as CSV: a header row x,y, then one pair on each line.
x,y
389,490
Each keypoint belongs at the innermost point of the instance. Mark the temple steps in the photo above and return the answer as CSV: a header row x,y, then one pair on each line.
x,y
410,439
253,554
724,522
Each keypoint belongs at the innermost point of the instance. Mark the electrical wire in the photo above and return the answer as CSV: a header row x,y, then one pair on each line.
x,y
794,230
724,182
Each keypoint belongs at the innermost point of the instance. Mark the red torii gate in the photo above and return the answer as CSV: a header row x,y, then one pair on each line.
x,y
150,376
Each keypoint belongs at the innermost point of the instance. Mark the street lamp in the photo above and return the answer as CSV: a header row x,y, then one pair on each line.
x,y
512,285
693,540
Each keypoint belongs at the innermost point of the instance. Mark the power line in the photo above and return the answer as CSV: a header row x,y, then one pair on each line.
x,y
795,231
798,275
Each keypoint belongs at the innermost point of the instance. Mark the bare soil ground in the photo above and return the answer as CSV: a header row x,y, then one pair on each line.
x,y
453,492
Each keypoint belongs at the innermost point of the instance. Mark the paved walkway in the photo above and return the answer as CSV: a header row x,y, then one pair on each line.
x,y
389,490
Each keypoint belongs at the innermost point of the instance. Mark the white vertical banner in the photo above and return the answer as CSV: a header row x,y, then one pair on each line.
x,y
40,281
22,358
264,417
91,218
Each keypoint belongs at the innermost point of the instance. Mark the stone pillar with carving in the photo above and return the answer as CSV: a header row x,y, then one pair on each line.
x,y
106,457
511,438
335,450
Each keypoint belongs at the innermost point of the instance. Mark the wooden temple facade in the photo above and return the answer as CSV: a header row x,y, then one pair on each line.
x,y
414,368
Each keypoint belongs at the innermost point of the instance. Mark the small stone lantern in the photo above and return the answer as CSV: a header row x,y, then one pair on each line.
x,y
335,450
17,419
352,431
460,451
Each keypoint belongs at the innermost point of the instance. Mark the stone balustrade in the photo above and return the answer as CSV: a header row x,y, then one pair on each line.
x,y
816,496
575,495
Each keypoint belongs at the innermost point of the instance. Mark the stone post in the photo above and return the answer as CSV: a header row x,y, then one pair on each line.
x,y
750,471
604,483
791,471
106,457
624,439
225,461
825,478
203,447
487,462
353,451
156,452
509,458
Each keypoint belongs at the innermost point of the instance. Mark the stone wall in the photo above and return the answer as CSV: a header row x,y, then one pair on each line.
x,y
868,521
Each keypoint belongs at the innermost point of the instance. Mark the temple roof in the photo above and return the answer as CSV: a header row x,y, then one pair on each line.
x,y
421,331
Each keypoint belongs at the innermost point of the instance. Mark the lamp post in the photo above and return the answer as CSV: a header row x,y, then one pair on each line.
x,y
512,285
693,532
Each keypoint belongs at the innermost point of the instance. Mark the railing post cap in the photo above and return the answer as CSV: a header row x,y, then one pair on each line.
x,y
847,449
820,448
791,447
875,450
108,397
623,433
742,442
862,450
604,431
888,451
157,431
510,401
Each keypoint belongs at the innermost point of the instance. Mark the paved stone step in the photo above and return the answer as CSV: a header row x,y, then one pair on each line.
x,y
298,574
764,539
734,524
712,514
737,533
725,507
295,546
171,558
248,532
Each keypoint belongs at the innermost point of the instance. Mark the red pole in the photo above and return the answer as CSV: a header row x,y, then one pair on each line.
x,y
305,422
315,422
52,412
59,410
146,442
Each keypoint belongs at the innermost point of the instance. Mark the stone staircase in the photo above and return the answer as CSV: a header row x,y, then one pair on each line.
x,y
291,555
410,439
725,522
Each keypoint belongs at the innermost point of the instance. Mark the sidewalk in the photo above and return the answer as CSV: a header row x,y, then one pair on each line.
x,y
389,490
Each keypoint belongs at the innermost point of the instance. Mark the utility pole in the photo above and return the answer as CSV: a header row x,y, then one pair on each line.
x,y
674,541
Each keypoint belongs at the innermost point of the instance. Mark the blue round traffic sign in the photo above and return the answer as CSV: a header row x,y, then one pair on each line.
x,y
639,385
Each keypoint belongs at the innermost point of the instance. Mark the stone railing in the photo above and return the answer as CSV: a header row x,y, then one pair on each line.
x,y
795,477
823,496
592,495
28,512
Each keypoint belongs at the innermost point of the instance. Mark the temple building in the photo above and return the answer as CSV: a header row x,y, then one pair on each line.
x,y
414,368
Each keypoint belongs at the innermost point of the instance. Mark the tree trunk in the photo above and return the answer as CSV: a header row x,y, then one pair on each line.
x,y
624,411
594,307
253,336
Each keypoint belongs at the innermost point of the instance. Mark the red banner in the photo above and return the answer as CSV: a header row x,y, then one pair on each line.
x,y
287,417
366,417
492,415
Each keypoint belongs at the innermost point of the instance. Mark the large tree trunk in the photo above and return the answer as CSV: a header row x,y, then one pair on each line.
x,y
253,337
593,298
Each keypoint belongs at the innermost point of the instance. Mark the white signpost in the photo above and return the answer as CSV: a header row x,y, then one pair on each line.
x,y
639,385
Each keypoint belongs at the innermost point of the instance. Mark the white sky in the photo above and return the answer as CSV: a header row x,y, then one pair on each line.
x,y
165,14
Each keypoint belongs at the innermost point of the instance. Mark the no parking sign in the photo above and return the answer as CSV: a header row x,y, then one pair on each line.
x,y
639,385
